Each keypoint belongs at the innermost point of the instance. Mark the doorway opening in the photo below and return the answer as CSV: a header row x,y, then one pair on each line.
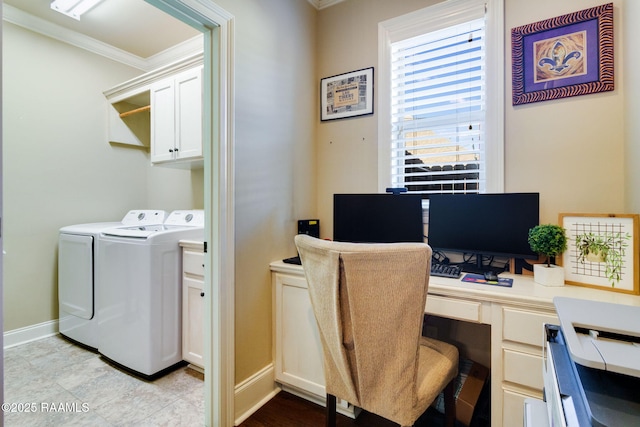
x,y
217,27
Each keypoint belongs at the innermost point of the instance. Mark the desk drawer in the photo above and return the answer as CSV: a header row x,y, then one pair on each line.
x,y
193,263
523,368
469,311
524,326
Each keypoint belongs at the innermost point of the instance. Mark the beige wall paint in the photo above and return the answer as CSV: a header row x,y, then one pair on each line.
x,y
347,150
631,55
275,177
572,150
288,164
275,110
59,168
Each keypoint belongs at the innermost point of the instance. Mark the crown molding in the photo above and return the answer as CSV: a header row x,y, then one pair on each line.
x,y
323,4
57,32
188,48
141,83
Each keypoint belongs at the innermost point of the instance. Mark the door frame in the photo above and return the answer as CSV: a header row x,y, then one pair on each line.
x,y
217,26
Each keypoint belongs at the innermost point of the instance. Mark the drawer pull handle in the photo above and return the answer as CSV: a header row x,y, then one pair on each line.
x,y
201,294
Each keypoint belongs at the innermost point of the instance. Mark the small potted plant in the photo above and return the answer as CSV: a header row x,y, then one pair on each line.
x,y
550,241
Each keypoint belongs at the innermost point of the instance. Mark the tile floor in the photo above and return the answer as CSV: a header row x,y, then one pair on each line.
x,y
53,373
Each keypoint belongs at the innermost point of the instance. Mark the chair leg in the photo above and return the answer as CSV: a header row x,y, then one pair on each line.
x,y
450,405
331,411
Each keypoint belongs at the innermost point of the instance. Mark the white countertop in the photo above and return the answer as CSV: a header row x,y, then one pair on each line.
x,y
524,290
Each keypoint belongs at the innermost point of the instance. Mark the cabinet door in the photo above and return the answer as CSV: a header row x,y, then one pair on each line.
x,y
192,321
189,114
163,130
298,347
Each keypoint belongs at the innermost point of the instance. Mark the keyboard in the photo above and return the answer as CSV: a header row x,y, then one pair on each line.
x,y
293,260
446,270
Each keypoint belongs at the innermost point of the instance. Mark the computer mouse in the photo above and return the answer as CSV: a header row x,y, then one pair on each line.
x,y
490,276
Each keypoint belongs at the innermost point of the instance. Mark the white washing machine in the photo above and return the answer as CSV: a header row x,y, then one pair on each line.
x,y
140,297
77,254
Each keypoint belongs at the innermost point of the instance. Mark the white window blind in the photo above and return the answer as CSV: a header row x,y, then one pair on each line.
x,y
438,111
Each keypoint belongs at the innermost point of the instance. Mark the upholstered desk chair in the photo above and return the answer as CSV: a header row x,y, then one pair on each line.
x,y
369,301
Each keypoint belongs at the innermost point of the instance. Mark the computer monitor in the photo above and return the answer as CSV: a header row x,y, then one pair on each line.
x,y
483,225
377,218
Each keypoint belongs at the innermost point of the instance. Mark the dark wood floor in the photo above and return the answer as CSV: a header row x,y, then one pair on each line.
x,y
287,410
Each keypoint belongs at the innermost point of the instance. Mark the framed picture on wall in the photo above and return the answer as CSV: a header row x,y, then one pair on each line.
x,y
565,56
602,251
347,95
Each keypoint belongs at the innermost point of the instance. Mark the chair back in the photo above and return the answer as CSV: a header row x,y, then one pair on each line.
x,y
369,302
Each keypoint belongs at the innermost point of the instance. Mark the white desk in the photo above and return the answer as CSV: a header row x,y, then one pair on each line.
x,y
516,316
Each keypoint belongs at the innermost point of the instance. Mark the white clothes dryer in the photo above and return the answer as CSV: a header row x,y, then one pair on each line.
x,y
140,297
77,255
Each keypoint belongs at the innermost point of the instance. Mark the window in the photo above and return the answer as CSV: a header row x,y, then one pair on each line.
x,y
441,100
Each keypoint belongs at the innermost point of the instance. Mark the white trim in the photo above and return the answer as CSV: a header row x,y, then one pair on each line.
x,y
494,78
414,23
30,333
323,4
218,135
143,82
57,32
188,48
254,392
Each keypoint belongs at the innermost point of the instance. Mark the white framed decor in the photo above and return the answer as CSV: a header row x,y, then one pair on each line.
x,y
602,251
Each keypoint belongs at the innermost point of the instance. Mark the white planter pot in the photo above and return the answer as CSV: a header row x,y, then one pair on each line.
x,y
548,276
595,257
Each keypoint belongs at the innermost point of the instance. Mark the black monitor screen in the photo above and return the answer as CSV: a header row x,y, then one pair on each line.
x,y
377,218
486,224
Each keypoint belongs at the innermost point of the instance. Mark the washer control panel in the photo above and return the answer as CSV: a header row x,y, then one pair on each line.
x,y
144,217
190,218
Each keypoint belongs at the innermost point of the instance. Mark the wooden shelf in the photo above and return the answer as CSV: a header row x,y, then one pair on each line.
x,y
136,111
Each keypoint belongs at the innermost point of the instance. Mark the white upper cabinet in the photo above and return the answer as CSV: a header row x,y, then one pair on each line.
x,y
161,111
176,117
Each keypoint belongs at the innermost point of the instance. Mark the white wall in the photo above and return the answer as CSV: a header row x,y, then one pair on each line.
x,y
59,168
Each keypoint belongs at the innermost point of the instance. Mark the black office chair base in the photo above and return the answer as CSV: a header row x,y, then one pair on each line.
x,y
450,404
331,411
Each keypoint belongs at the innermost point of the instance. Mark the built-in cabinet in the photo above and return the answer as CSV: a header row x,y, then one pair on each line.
x,y
161,111
298,350
516,316
176,117
520,351
193,303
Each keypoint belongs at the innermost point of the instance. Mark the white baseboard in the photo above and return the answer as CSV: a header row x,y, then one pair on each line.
x,y
254,392
30,333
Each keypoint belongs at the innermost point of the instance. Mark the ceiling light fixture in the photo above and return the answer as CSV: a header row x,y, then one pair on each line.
x,y
73,8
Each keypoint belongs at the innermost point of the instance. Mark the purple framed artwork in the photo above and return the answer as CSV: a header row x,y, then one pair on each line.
x,y
565,56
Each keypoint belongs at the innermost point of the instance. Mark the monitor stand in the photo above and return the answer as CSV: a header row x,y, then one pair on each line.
x,y
476,268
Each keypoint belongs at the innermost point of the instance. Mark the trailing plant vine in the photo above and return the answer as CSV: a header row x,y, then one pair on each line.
x,y
609,246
